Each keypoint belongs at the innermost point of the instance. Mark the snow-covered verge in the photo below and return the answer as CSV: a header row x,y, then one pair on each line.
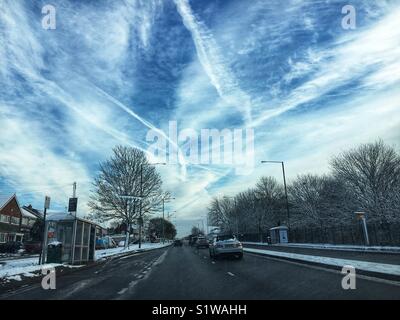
x,y
332,247
382,268
15,269
100,254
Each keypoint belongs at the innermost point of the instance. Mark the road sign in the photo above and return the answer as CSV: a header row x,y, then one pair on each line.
x,y
47,202
72,204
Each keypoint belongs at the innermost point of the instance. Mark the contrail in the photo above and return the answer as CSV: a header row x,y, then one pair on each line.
x,y
213,63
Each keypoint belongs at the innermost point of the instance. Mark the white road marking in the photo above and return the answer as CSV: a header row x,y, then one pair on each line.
x,y
213,262
231,274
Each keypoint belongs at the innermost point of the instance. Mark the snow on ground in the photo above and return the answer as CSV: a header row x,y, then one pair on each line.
x,y
390,269
13,269
332,246
132,248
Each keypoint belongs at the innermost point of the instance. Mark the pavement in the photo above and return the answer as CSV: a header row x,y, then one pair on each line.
x,y
188,273
378,257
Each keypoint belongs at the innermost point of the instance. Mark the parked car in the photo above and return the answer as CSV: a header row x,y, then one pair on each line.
x,y
178,243
33,247
201,243
12,247
226,245
105,243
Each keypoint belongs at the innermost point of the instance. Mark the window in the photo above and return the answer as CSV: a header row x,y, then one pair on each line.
x,y
25,221
14,220
2,237
4,218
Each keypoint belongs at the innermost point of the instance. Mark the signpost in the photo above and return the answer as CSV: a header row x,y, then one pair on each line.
x,y
72,204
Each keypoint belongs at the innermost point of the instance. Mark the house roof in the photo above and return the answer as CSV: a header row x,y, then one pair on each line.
x,y
279,228
33,211
27,214
5,198
62,216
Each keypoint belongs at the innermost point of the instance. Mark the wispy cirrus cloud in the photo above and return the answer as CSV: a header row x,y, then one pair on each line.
x,y
212,60
112,71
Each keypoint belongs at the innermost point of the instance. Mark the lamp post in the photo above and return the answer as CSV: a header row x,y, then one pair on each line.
x,y
284,184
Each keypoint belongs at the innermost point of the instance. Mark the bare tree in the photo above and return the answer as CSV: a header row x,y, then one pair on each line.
x,y
270,196
125,182
220,212
372,173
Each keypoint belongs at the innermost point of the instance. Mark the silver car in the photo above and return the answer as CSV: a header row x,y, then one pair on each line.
x,y
226,245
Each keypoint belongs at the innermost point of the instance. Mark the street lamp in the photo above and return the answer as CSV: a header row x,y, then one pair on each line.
x,y
284,183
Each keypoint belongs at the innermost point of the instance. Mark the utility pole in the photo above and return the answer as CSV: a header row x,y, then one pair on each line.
x,y
44,240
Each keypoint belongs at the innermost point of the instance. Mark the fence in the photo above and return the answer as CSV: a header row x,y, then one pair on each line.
x,y
380,234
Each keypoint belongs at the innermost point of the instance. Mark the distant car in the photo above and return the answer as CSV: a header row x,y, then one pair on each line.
x,y
226,245
178,243
201,243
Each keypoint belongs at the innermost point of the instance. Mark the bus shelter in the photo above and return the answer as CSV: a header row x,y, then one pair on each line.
x,y
73,237
279,234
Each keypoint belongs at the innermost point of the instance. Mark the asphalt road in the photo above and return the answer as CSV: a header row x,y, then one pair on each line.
x,y
187,273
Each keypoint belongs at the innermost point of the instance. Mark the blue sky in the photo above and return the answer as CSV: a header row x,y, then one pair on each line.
x,y
113,70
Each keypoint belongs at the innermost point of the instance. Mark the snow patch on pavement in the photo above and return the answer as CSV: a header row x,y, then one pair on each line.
x,y
100,254
13,269
328,246
390,269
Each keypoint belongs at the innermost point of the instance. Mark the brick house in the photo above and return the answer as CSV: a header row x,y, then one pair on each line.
x,y
15,222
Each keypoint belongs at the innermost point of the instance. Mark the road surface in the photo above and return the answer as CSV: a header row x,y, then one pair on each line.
x,y
187,273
